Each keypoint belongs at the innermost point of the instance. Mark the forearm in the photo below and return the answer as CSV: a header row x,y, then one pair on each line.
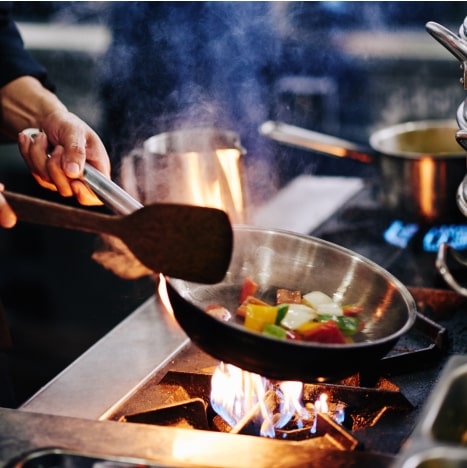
x,y
25,103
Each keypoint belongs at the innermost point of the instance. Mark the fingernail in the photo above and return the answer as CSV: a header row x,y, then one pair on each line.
x,y
72,169
22,138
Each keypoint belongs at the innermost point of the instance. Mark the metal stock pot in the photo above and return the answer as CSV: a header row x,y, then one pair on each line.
x,y
420,164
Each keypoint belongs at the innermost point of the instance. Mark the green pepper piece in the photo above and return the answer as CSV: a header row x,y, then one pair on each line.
x,y
281,312
275,330
325,317
348,325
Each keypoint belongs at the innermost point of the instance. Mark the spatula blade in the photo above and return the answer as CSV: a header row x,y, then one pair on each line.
x,y
181,241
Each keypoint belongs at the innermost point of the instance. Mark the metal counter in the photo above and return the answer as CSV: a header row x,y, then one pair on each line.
x,y
134,351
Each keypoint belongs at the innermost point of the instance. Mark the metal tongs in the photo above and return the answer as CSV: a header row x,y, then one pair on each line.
x,y
457,45
111,194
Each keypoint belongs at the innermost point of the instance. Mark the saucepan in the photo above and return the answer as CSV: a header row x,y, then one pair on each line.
x,y
280,259
420,164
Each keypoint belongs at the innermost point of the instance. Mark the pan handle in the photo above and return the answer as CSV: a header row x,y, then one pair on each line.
x,y
314,141
443,269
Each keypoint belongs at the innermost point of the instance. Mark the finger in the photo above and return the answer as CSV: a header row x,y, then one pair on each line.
x,y
74,153
7,215
58,177
35,156
84,194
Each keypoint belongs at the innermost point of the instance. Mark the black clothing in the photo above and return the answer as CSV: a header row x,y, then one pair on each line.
x,y
15,61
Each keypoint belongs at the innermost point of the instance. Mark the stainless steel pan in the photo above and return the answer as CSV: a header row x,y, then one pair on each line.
x,y
277,259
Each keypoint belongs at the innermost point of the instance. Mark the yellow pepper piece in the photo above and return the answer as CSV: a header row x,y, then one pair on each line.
x,y
308,326
257,316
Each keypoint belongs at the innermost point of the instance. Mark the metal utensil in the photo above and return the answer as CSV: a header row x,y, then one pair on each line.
x,y
111,194
182,241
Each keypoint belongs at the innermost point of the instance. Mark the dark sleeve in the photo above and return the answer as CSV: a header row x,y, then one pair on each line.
x,y
15,61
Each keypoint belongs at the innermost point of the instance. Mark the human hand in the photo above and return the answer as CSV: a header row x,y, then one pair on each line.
x,y
61,169
7,215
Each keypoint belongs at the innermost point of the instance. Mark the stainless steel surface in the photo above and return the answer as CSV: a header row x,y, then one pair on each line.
x,y
444,269
440,437
111,194
280,259
455,44
122,360
314,141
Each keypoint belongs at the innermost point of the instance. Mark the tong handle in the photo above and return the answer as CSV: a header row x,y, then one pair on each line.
x,y
111,194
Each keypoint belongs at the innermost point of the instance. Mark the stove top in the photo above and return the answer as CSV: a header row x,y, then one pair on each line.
x,y
135,368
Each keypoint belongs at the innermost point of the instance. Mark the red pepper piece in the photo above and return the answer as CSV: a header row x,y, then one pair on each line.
x,y
352,310
325,332
249,287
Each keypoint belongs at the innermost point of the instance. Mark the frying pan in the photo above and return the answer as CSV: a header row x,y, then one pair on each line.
x,y
280,259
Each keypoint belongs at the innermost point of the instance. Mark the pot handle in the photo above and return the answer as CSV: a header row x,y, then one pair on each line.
x,y
314,141
461,196
442,267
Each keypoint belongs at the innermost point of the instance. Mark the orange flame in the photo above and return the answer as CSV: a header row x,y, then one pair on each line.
x,y
163,296
237,394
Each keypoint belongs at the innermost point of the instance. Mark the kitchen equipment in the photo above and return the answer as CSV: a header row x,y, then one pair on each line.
x,y
419,163
440,437
197,166
189,242
278,259
457,45
172,369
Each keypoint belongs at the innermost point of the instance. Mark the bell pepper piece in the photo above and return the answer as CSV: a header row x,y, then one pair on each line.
x,y
249,288
281,313
325,332
241,311
270,329
352,310
348,325
257,316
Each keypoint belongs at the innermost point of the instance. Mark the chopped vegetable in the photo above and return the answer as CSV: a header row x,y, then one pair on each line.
x,y
297,315
257,316
352,310
324,332
348,325
312,317
315,298
275,330
219,312
329,308
249,288
241,311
